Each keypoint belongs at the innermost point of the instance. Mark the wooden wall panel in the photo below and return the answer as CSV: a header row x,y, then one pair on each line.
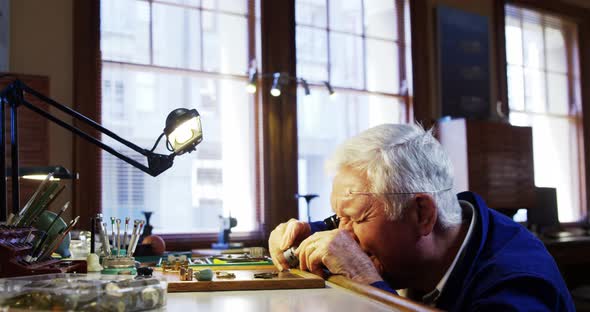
x,y
33,135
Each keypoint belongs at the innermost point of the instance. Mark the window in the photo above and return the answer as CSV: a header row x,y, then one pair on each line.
x,y
543,92
159,55
362,48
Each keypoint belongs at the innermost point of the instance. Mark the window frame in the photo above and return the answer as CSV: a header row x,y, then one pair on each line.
x,y
402,97
401,42
275,125
581,17
87,46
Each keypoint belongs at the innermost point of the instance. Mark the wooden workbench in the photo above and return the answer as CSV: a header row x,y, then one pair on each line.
x,y
339,294
331,298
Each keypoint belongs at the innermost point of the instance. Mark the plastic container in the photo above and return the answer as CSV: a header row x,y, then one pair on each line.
x,y
82,292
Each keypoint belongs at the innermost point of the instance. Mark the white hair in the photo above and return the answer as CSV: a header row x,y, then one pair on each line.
x,y
401,158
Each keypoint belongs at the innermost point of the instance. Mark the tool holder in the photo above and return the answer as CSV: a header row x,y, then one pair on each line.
x,y
13,251
123,265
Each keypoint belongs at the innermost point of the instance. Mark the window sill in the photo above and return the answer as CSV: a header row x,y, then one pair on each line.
x,y
189,241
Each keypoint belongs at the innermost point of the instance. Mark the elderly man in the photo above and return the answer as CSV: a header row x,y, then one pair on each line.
x,y
401,226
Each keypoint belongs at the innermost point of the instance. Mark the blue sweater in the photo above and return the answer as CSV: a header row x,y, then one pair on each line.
x,y
503,268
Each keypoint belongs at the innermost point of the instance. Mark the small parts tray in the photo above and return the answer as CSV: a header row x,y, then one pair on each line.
x,y
82,292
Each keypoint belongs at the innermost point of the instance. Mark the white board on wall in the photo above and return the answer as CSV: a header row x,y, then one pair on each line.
x,y
4,35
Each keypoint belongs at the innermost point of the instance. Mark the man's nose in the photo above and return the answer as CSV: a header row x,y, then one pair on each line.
x,y
348,226
353,234
345,225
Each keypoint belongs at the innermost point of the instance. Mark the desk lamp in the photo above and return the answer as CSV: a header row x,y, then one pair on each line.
x,y
41,172
182,130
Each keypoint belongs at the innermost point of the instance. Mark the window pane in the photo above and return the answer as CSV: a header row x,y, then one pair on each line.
x,y
318,136
125,33
234,6
555,158
547,93
346,16
225,41
348,112
558,93
312,53
346,56
185,2
409,72
382,66
513,41
533,45
577,93
176,37
515,87
535,91
380,19
407,28
191,195
311,12
556,52
520,120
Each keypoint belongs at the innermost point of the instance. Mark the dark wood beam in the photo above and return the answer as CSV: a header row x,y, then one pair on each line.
x,y
502,83
279,114
423,102
584,46
87,92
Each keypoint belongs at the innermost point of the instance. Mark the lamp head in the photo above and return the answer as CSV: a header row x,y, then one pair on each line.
x,y
183,130
252,80
305,86
330,89
40,173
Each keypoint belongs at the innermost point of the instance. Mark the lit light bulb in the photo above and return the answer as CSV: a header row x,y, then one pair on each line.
x,y
251,88
275,92
184,132
276,84
39,177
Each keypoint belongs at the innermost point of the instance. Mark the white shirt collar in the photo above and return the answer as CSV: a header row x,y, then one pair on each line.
x,y
469,210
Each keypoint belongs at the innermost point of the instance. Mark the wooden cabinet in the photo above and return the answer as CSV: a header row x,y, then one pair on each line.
x,y
492,159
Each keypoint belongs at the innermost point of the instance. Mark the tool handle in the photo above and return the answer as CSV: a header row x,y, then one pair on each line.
x,y
105,239
136,238
133,235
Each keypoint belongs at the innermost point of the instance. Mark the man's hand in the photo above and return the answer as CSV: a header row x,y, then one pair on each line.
x,y
283,237
338,252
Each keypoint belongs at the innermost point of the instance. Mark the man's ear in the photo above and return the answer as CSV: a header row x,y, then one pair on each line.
x,y
426,213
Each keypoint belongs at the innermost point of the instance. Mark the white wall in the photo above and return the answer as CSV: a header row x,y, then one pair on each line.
x,y
41,43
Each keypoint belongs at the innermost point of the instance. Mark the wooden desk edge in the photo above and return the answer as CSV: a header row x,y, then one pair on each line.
x,y
371,292
382,296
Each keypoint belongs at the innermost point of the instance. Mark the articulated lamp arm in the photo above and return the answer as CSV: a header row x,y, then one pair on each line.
x,y
178,143
157,163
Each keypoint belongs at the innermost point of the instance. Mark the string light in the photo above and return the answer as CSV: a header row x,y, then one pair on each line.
x,y
279,80
305,86
252,79
330,89
276,87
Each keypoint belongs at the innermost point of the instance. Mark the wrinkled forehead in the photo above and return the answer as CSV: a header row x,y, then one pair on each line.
x,y
345,204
